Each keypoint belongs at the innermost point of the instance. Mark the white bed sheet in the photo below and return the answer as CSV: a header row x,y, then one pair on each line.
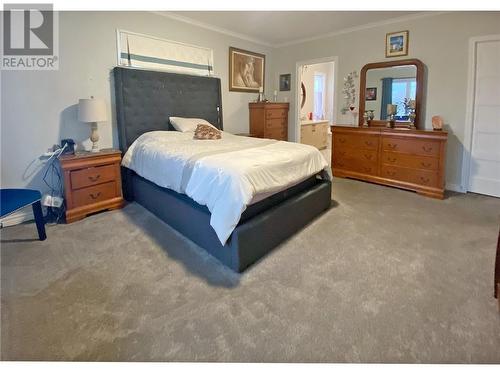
x,y
225,175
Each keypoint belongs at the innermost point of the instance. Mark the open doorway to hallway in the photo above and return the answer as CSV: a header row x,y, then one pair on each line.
x,y
316,103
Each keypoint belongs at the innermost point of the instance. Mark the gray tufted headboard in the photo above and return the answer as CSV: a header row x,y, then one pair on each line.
x,y
145,100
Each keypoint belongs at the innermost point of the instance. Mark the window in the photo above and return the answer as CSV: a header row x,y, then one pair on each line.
x,y
319,95
403,88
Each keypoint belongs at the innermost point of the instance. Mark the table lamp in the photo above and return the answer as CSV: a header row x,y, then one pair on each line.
x,y
92,111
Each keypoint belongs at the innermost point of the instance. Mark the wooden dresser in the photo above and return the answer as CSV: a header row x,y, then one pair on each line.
x,y
314,133
92,183
409,159
269,120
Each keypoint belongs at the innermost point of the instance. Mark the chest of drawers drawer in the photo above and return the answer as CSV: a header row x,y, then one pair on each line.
x,y
411,146
357,141
362,161
94,194
414,176
276,123
276,113
92,176
410,161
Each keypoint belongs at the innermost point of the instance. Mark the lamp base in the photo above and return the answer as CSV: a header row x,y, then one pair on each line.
x,y
94,137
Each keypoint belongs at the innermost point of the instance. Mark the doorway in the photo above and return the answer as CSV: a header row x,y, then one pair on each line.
x,y
315,109
482,167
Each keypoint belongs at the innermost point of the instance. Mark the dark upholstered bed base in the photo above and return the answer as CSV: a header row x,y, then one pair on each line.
x,y
277,218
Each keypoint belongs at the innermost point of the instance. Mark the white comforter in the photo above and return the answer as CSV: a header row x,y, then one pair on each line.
x,y
226,174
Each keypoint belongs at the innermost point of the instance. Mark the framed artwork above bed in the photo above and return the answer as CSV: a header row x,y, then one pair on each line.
x,y
246,70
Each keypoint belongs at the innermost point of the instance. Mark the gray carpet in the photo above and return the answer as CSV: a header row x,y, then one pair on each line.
x,y
384,276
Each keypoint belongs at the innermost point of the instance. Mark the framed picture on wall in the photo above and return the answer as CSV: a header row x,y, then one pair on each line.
x,y
285,82
246,70
396,44
371,93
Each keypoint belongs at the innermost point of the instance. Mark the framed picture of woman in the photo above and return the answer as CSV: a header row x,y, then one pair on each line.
x,y
246,70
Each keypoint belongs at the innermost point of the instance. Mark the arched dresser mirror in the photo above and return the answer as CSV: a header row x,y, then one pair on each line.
x,y
392,90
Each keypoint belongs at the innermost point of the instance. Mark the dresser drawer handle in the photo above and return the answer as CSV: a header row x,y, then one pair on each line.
x,y
426,165
95,196
425,180
391,160
391,173
368,156
427,148
342,140
367,169
392,146
369,143
94,178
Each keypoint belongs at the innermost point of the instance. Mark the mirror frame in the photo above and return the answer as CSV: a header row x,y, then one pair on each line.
x,y
419,95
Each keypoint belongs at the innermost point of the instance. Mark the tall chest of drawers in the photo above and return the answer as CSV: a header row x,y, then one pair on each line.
x,y
269,120
409,159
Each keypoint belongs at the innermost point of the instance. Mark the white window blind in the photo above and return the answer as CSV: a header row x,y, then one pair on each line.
x,y
319,95
143,51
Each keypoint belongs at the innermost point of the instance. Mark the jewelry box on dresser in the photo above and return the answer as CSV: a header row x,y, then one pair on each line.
x,y
390,149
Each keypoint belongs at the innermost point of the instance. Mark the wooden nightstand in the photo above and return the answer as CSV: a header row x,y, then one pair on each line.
x,y
92,183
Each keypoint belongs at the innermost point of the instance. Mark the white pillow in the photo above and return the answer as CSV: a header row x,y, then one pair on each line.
x,y
184,124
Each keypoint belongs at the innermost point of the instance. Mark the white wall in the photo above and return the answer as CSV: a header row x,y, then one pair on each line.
x,y
440,41
39,108
308,80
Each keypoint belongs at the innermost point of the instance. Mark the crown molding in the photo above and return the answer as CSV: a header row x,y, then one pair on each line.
x,y
249,38
362,27
217,29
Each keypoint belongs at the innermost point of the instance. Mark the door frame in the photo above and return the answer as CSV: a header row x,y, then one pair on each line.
x,y
298,64
469,111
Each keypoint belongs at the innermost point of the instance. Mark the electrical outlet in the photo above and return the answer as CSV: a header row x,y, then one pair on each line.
x,y
52,201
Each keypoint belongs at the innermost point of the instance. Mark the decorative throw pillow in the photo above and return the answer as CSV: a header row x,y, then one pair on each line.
x,y
204,131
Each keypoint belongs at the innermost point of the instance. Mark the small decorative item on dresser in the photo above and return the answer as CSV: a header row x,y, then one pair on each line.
x,y
366,116
92,183
392,109
437,122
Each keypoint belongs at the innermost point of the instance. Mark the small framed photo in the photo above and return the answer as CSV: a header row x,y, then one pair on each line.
x,y
396,44
371,93
285,82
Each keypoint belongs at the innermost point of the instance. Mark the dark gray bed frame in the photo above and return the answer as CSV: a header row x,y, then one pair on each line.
x,y
144,101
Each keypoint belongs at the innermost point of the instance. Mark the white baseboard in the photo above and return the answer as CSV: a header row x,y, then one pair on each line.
x,y
455,187
18,217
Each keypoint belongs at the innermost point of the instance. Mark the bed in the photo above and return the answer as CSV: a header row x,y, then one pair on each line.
x,y
144,102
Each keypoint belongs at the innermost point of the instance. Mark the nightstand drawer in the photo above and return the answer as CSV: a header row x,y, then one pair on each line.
x,y
92,176
94,194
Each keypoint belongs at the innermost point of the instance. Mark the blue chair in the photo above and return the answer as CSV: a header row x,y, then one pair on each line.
x,y
15,199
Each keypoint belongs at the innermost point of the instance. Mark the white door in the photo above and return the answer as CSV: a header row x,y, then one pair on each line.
x,y
484,177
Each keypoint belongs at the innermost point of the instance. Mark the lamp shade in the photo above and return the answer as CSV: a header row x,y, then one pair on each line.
x,y
91,110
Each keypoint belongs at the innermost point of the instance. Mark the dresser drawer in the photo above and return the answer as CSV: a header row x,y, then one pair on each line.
x,y
410,161
276,123
411,146
276,133
361,141
94,194
92,176
362,161
414,176
275,113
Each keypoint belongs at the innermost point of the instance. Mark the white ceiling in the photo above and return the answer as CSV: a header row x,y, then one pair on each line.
x,y
286,27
